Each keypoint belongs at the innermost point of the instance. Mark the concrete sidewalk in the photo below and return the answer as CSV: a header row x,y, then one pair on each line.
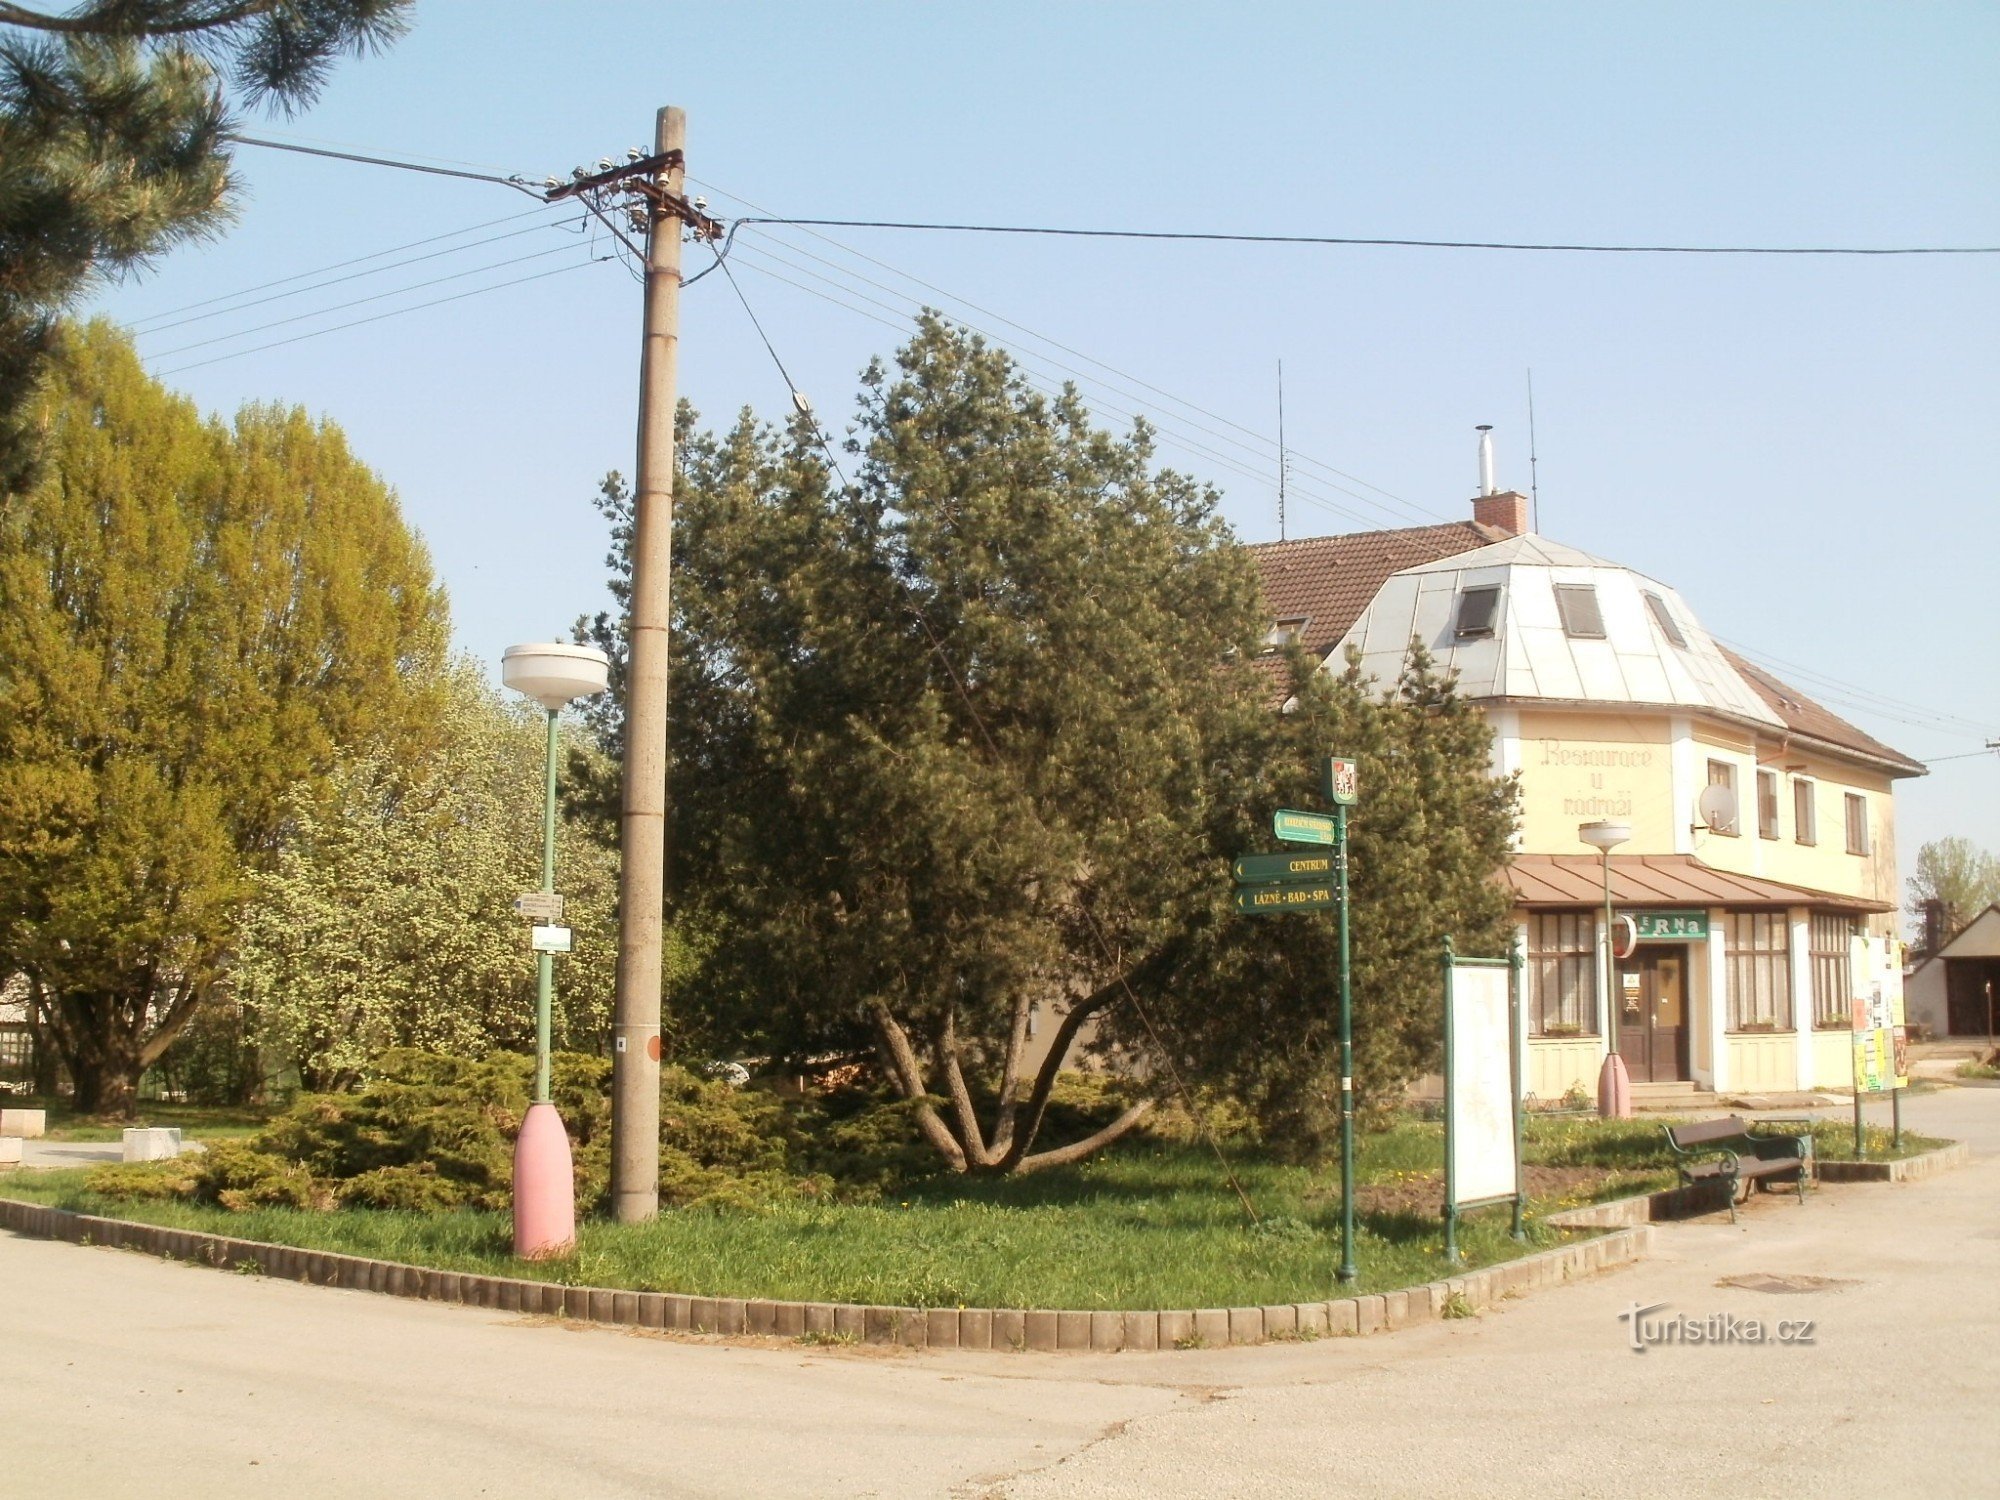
x,y
127,1373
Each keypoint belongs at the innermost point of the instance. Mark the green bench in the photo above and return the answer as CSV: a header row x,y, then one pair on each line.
x,y
1731,1149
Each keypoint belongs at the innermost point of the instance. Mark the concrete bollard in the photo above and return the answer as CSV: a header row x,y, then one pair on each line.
x,y
27,1124
10,1151
143,1143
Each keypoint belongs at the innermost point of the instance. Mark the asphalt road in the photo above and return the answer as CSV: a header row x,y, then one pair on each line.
x,y
128,1375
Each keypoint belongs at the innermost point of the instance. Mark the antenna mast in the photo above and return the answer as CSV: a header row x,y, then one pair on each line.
x,y
1281,450
1534,484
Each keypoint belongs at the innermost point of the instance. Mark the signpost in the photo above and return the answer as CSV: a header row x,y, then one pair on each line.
x,y
1880,1042
539,906
1273,884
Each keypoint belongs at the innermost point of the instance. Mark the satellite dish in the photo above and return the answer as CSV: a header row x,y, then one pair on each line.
x,y
1716,807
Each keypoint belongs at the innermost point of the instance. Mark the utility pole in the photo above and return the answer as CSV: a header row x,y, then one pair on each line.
x,y
657,180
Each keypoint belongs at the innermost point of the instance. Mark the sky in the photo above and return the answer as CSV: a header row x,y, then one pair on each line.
x,y
1806,447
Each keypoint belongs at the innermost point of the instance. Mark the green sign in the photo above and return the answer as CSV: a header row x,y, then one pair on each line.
x,y
1269,900
1302,827
1654,925
1268,869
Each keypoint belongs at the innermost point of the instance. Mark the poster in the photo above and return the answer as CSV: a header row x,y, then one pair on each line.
x,y
1881,1042
1479,1094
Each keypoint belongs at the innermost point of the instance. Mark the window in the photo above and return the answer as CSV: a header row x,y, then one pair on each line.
x,y
1832,977
1477,610
1562,968
1760,971
1767,804
1665,621
1291,632
1805,827
1857,823
1577,603
1722,773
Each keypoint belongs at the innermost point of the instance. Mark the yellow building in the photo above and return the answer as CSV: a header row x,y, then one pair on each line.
x,y
1758,827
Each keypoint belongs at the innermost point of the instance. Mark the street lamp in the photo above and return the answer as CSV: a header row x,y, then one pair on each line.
x,y
1614,1088
544,1183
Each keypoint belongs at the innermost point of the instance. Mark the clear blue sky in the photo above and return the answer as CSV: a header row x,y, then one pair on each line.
x,y
1806,448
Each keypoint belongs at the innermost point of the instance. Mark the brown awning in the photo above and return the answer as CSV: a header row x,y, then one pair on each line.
x,y
1539,880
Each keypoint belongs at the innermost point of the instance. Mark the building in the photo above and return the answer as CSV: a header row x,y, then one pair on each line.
x,y
1761,825
1956,990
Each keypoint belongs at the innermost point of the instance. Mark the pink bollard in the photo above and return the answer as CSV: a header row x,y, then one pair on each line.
x,y
544,1187
1614,1090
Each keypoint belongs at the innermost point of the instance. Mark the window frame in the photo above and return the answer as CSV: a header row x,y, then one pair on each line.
x,y
1662,617
1288,630
1767,783
1563,957
1757,954
1587,593
1828,934
1805,811
1461,630
1858,842
1734,828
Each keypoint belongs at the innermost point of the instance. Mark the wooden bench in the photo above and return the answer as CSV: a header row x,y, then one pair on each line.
x,y
1731,1150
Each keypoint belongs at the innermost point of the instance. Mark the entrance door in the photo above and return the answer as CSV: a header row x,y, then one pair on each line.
x,y
1652,1014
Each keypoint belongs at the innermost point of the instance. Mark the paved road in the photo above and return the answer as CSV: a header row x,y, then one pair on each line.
x,y
127,1375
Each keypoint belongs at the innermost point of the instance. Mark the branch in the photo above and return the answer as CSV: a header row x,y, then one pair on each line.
x,y
908,1073
173,1023
969,1133
1078,1150
92,24
1010,1076
1045,1077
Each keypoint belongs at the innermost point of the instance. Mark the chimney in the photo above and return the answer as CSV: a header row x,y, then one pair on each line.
x,y
1505,510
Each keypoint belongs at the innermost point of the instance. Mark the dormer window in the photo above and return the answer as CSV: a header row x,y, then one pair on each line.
x,y
1665,621
1582,619
1477,610
1286,632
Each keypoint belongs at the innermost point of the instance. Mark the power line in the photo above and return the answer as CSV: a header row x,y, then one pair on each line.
x,y
394,312
1863,698
498,265
516,183
1383,242
316,286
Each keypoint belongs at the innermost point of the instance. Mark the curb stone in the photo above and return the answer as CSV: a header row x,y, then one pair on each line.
x,y
933,1328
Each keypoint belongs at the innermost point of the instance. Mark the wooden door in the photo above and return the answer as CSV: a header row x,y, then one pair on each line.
x,y
1651,995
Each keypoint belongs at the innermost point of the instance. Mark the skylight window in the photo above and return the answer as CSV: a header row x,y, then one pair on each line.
x,y
1286,632
1477,610
1664,620
1582,619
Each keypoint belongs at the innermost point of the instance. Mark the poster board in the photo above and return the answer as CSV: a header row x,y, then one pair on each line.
x,y
1881,1041
1481,1160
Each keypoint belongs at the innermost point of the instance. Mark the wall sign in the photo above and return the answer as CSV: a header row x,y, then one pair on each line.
x,y
1655,925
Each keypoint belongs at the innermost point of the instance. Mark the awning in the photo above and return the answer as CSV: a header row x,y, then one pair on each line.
x,y
1545,880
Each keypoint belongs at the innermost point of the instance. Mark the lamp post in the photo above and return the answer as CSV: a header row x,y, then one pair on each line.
x,y
544,1183
1614,1088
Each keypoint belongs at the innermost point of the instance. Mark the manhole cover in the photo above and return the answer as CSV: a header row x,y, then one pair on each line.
x,y
1766,1281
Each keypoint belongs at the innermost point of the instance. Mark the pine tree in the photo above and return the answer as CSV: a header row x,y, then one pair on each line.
x,y
114,134
194,619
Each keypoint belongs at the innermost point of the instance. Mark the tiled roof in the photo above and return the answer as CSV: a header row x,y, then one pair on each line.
x,y
1803,716
1658,880
1328,580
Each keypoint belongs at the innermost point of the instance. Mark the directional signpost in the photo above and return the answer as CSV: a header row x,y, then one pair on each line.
x,y
1273,884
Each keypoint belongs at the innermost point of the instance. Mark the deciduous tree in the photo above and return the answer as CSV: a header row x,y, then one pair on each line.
x,y
194,620
1956,871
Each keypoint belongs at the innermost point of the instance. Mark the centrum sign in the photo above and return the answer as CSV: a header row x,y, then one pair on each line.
x,y
1264,869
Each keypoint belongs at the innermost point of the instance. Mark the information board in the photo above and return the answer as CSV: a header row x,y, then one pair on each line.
x,y
1479,1087
1881,1043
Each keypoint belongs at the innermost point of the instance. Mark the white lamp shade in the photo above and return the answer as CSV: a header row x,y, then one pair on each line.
x,y
552,674
1605,835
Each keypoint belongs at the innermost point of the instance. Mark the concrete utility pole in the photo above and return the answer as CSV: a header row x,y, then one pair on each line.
x,y
635,1062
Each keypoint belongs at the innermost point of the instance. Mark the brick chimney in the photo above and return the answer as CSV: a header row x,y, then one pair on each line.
x,y
1507,510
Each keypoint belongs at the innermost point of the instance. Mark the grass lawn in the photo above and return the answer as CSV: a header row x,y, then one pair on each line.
x,y
1148,1225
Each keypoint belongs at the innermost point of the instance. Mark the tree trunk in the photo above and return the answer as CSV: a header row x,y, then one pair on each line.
x,y
99,1038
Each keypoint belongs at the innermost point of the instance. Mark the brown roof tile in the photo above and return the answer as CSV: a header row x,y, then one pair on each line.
x,y
1329,580
1803,716
1638,880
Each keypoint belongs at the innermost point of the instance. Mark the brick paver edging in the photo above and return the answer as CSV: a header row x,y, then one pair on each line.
x,y
935,1328
1907,1169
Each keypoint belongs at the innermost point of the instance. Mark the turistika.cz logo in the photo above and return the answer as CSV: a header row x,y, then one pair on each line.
x,y
1647,1331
